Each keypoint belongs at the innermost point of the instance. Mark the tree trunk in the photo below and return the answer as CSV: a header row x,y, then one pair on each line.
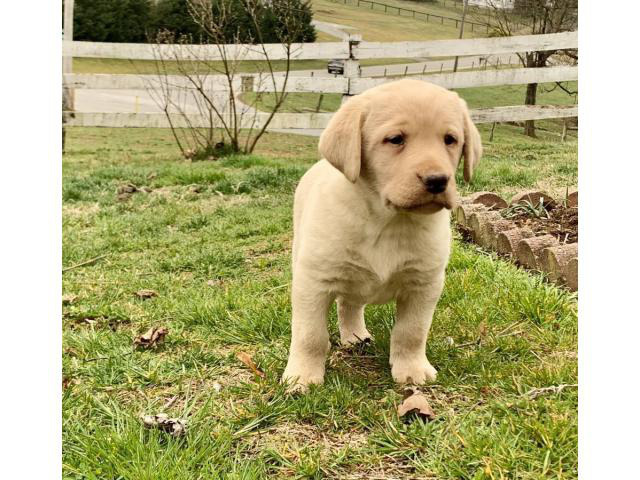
x,y
530,99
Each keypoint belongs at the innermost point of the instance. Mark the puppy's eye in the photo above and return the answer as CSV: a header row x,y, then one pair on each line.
x,y
395,140
450,140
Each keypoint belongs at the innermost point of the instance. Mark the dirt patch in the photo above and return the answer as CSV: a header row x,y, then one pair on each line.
x,y
561,222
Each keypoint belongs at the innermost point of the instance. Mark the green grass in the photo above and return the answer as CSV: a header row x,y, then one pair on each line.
x,y
220,263
481,97
375,25
148,67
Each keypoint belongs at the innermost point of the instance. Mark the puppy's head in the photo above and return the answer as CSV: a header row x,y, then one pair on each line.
x,y
405,140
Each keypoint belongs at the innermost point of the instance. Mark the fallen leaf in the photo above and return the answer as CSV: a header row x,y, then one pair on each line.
x,y
416,404
248,361
145,294
171,401
483,329
152,337
69,298
127,188
173,426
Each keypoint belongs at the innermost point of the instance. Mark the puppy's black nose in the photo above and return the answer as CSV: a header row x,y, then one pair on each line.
x,y
436,183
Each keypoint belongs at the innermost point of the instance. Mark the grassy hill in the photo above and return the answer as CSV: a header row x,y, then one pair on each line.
x,y
375,25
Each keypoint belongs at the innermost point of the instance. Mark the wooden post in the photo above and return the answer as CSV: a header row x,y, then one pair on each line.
x,y
464,13
319,102
406,69
68,100
352,65
67,62
564,130
493,128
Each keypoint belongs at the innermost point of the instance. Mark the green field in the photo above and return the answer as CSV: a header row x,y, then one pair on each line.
x,y
375,25
481,97
148,67
213,240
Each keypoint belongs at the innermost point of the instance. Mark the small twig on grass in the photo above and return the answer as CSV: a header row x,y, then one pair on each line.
x,y
86,360
468,344
86,262
536,392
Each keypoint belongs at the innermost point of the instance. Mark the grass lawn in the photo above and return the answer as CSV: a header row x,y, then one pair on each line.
x,y
377,26
481,97
147,67
218,257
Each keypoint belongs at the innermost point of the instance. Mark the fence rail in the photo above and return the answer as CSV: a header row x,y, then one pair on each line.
x,y
350,84
325,51
347,86
298,120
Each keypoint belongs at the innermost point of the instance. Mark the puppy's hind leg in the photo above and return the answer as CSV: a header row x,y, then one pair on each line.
x,y
309,338
351,323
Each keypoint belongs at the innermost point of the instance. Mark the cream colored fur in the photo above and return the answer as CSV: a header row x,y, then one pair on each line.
x,y
367,231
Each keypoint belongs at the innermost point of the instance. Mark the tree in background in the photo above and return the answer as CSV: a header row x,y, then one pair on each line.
x,y
534,17
135,21
112,20
240,25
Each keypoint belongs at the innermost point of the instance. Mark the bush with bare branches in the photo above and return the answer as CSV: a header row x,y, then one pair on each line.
x,y
203,103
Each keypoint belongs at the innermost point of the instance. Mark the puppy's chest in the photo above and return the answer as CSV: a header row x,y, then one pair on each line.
x,y
376,269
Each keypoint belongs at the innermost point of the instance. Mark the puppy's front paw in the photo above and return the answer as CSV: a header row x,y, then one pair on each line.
x,y
299,376
416,371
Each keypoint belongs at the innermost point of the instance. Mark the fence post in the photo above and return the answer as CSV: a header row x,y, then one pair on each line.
x,y
351,65
247,83
319,102
68,95
493,127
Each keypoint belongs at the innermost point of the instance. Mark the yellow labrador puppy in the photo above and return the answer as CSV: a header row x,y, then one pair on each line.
x,y
371,223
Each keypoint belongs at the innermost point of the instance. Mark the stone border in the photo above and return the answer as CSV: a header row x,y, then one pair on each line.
x,y
478,217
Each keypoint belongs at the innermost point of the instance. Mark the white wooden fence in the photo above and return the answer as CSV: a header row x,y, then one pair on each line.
x,y
353,49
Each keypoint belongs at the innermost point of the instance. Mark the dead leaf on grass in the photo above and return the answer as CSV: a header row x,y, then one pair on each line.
x,y
69,382
68,299
146,294
174,426
415,404
152,337
248,361
127,188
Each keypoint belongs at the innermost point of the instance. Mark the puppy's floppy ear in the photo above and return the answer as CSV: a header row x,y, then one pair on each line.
x,y
472,149
341,141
